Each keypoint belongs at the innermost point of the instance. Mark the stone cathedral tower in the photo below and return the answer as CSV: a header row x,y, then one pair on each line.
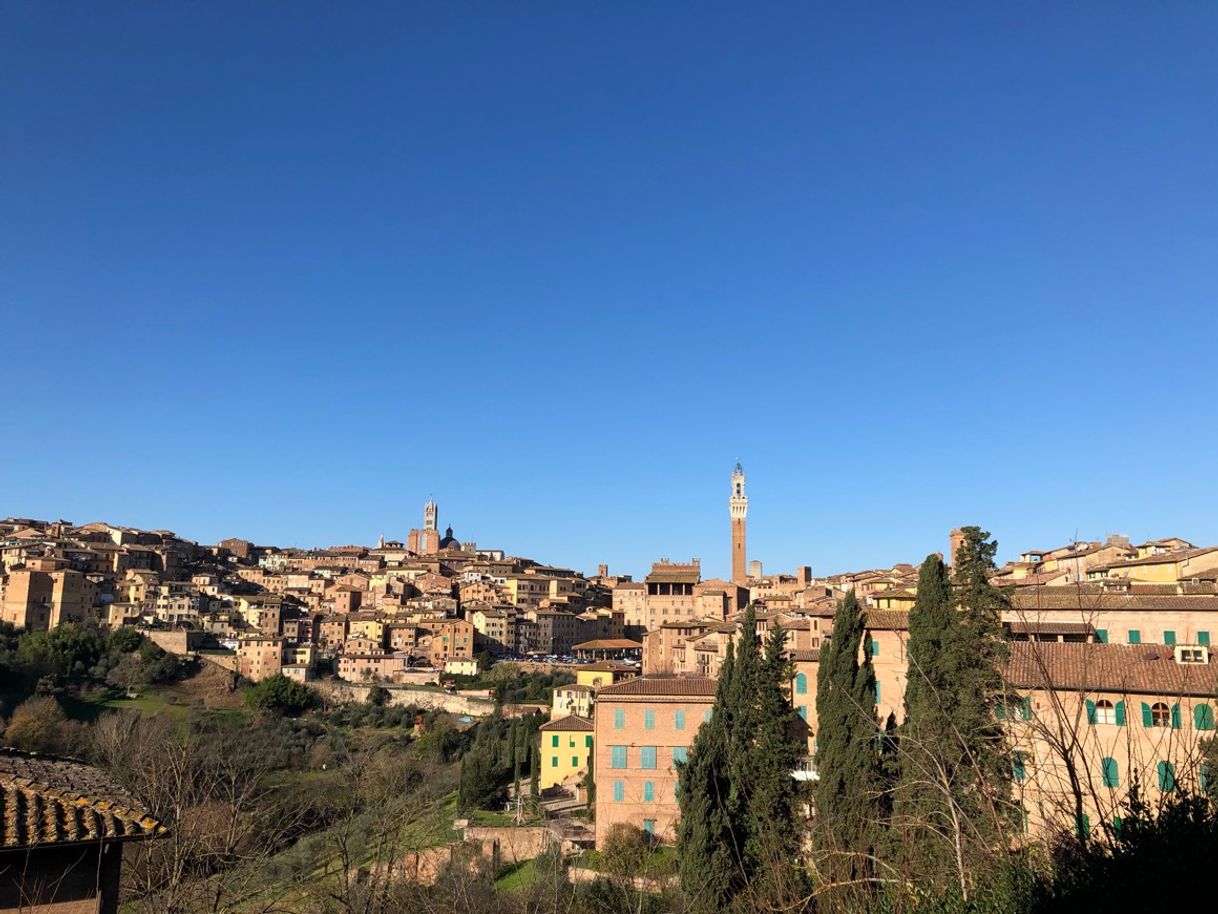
x,y
738,505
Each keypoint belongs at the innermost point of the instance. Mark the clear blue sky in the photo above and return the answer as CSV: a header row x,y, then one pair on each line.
x,y
284,270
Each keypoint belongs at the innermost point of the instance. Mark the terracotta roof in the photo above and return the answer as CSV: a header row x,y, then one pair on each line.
x,y
609,644
49,800
1163,558
675,686
570,722
806,656
1043,598
886,619
1149,669
1050,628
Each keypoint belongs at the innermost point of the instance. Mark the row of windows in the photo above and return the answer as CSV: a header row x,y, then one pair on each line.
x,y
575,762
571,741
649,792
649,719
1110,772
1156,714
1103,711
1134,636
619,756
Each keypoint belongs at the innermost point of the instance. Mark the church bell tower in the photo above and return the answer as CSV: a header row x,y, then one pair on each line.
x,y
738,506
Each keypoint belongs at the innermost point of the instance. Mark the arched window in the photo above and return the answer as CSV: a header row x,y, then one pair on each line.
x,y
801,684
1160,715
1105,712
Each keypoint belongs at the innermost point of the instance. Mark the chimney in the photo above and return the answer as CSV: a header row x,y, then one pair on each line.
x,y
955,540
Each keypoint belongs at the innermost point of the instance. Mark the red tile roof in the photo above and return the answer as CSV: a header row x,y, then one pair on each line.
x,y
570,722
47,800
675,686
1148,669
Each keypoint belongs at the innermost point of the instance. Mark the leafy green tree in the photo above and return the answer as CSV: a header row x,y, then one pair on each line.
x,y
280,695
123,640
849,809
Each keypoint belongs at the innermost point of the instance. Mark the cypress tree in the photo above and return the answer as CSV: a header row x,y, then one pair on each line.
x,y
847,793
707,860
953,793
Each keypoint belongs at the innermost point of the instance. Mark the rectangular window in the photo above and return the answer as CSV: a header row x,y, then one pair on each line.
x,y
1112,776
554,741
619,719
877,693
803,711
680,754
1203,638
649,827
588,741
875,648
1135,636
554,761
707,716
619,792
1169,637
649,791
649,719
575,761
617,756
647,757
678,720
1101,635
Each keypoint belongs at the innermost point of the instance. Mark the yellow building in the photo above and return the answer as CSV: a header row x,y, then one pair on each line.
x,y
603,673
566,747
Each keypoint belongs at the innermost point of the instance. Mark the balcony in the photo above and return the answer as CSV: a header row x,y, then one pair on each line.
x,y
805,770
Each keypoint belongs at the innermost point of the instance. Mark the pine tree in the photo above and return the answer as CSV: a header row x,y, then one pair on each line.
x,y
848,789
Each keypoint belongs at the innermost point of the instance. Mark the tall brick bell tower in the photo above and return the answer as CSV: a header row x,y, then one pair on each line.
x,y
738,505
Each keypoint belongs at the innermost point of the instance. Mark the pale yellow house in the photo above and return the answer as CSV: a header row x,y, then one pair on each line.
x,y
566,748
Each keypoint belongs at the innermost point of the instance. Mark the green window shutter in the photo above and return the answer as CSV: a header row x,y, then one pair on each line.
x,y
1025,708
875,648
1112,775
1203,778
619,718
877,693
1000,709
803,711
1116,825
1203,717
1082,826
678,720
1203,638
575,761
554,761
1101,635
619,791
1167,777
1120,713
1090,712
554,741
1018,766
588,741
1169,638
1175,717
1135,636
649,791
649,719
801,684
1147,720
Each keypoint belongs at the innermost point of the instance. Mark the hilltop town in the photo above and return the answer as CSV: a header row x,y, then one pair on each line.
x,y
1114,634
